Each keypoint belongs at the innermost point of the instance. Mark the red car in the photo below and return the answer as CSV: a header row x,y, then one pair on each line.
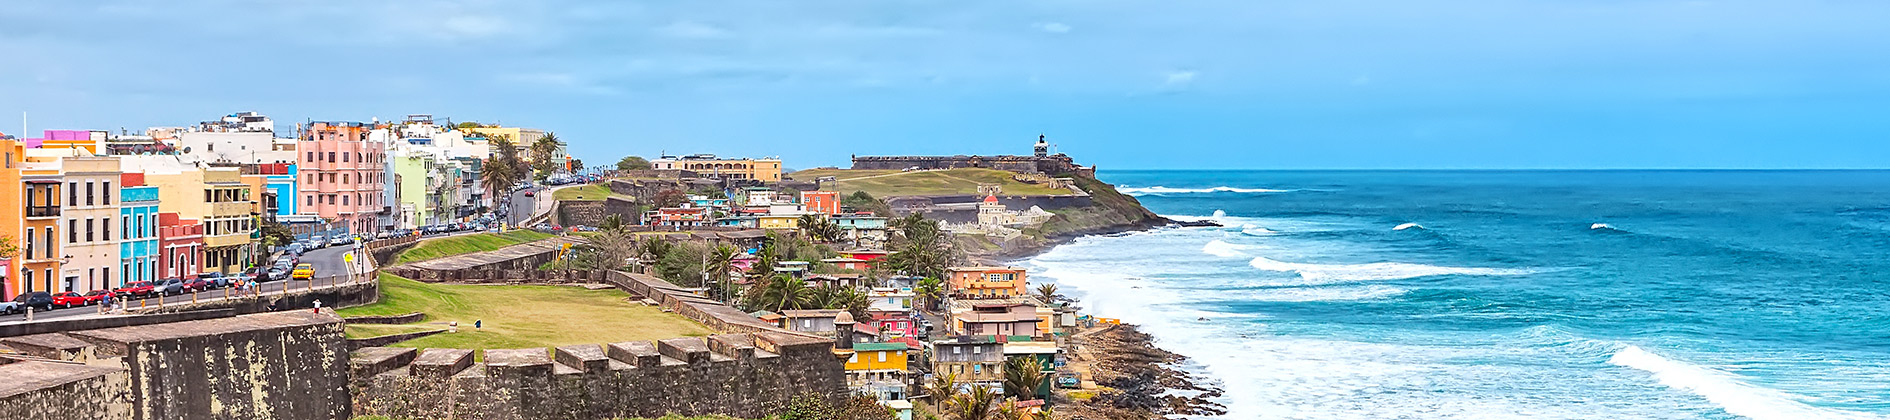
x,y
68,299
136,288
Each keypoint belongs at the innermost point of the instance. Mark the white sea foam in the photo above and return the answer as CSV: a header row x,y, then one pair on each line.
x,y
1600,226
1221,248
1327,294
1218,213
1727,391
1408,226
1139,191
1335,273
1251,230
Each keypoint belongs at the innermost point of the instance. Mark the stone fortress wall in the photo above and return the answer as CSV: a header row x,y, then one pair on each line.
x,y
1053,164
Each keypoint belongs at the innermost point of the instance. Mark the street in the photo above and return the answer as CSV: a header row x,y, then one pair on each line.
x,y
329,264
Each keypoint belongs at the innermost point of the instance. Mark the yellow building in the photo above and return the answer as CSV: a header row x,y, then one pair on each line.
x,y
225,204
986,282
522,139
778,222
878,369
40,250
765,170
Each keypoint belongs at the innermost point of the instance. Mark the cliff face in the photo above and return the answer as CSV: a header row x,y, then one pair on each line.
x,y
1110,212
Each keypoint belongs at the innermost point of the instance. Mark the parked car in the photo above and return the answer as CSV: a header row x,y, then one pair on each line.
x,y
278,271
531,194
10,308
96,296
341,240
68,299
41,300
136,289
303,272
170,287
296,249
197,285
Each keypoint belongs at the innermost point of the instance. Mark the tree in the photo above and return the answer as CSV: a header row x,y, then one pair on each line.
x,y
669,198
542,151
1023,377
783,293
500,172
861,201
8,248
615,248
720,261
1048,292
468,125
980,403
275,234
819,228
941,390
923,249
633,163
655,247
611,223
930,291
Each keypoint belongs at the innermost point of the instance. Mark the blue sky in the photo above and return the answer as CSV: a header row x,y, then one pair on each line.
x,y
1121,84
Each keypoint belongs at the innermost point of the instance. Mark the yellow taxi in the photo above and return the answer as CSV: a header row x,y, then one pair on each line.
x,y
303,272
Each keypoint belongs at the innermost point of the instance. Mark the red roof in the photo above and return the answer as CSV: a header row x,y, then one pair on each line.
x,y
909,341
990,199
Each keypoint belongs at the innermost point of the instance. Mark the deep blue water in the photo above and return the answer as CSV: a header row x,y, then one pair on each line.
x,y
1499,295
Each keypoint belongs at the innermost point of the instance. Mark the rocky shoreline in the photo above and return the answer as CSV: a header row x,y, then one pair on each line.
x,y
1134,379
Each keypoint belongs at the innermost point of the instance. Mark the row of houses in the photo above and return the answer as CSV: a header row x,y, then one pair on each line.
x,y
95,210
767,208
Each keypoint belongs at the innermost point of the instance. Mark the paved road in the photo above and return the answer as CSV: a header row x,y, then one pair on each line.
x,y
328,262
521,208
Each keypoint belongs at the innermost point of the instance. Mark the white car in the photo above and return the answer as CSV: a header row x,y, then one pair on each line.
x,y
341,241
9,307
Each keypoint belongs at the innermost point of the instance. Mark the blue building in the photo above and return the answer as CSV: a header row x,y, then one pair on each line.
x,y
138,246
284,188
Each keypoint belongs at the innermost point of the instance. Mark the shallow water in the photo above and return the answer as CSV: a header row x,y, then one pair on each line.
x,y
1503,295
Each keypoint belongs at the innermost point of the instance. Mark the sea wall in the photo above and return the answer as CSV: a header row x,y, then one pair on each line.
x,y
283,365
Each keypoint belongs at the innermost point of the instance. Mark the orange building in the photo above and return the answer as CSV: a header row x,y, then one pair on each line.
x,y
12,217
986,282
42,204
821,202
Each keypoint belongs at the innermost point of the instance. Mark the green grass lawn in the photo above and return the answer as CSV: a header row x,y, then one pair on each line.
x,y
883,183
523,316
376,330
593,192
466,244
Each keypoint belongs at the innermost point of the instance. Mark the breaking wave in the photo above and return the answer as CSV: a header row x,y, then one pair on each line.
x,y
1409,226
1158,190
1221,248
1335,273
1601,226
1726,391
1251,230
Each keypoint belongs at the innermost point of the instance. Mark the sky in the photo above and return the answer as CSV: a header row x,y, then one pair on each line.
x,y
1202,84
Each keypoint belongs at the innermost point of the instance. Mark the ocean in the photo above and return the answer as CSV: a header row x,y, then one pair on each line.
x,y
1760,295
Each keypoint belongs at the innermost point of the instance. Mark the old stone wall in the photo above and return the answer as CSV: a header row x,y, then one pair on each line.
x,y
579,213
339,296
283,365
741,375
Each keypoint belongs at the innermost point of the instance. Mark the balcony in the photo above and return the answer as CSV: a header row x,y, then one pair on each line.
x,y
42,211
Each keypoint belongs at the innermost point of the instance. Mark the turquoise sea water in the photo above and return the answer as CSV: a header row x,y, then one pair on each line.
x,y
1506,295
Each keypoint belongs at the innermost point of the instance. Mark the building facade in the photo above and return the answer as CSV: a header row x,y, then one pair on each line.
x,y
12,216
764,170
180,247
138,237
91,212
986,282
40,253
343,176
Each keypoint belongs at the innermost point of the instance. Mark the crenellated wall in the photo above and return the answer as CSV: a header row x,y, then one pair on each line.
x,y
741,375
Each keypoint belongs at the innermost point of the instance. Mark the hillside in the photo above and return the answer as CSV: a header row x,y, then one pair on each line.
x,y
883,183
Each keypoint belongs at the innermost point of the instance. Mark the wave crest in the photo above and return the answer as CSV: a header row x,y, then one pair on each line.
x,y
1335,273
1157,190
1221,248
1409,226
1725,390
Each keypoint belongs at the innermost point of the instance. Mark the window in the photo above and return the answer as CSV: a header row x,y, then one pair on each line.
x,y
311,156
126,234
107,271
90,195
29,243
72,192
72,231
957,350
105,232
977,350
51,247
331,157
344,200
208,197
807,323
311,200
882,356
854,359
108,194
977,368
344,156
344,178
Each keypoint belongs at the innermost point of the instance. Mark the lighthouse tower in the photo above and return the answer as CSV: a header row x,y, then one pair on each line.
x,y
1043,147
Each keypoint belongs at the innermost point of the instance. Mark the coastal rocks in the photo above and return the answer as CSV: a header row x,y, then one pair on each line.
x,y
1197,223
1138,380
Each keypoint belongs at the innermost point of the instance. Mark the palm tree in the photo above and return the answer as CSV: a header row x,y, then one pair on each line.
x,y
1023,377
978,404
654,248
785,292
941,390
542,151
931,290
1048,292
719,261
819,228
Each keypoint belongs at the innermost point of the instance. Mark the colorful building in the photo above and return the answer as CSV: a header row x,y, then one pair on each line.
x,y
971,317
138,236
91,208
180,247
43,197
975,360
778,222
764,170
986,282
414,208
821,202
343,176
224,204
12,216
878,369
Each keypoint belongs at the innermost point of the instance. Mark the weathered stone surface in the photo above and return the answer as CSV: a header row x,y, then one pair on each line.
x,y
441,363
51,346
372,361
588,357
34,390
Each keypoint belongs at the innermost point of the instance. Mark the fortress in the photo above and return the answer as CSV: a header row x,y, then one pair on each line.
x,y
1039,162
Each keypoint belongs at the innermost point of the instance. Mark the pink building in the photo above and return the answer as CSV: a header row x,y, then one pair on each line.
x,y
342,177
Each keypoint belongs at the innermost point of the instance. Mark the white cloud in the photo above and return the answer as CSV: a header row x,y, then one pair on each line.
x,y
692,30
1178,78
1052,27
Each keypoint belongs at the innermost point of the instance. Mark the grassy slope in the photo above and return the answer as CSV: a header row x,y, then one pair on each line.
x,y
466,244
593,192
882,183
523,316
1112,210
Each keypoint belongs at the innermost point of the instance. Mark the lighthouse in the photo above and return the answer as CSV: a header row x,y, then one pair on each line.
x,y
1043,147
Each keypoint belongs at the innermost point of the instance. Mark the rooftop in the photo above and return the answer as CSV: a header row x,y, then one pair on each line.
x,y
879,347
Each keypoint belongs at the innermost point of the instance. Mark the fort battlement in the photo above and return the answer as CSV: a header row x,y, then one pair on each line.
x,y
283,365
742,375
1051,165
